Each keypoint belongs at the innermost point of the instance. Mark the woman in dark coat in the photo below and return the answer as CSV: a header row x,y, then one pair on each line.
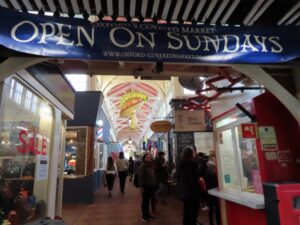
x,y
188,175
147,184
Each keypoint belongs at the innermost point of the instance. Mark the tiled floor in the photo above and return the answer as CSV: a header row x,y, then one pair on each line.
x,y
123,210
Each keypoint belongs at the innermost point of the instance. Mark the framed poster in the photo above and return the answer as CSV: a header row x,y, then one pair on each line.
x,y
268,138
204,142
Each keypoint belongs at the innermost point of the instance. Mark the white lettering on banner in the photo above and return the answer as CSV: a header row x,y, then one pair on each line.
x,y
140,36
33,36
231,43
44,32
112,37
53,31
122,37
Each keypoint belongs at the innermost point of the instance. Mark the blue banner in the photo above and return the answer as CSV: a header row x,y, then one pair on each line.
x,y
128,41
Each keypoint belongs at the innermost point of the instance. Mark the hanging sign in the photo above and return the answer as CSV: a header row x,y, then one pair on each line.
x,y
128,41
161,126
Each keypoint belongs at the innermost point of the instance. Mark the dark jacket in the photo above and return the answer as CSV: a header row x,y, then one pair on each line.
x,y
188,175
146,176
161,171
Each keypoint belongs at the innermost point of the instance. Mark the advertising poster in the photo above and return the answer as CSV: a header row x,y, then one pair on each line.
x,y
268,138
204,142
42,167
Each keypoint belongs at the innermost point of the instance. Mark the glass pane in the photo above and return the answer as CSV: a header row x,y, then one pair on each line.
x,y
75,151
26,125
251,180
228,165
296,202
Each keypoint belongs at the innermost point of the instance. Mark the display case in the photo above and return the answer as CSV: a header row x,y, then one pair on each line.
x,y
76,151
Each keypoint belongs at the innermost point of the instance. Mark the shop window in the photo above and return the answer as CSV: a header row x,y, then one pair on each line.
x,y
239,167
25,140
250,173
227,155
75,151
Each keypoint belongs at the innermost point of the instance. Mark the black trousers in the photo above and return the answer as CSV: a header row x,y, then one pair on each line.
x,y
110,179
190,211
122,178
148,194
214,208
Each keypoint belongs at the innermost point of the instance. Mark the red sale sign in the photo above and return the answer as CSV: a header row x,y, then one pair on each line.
x,y
249,130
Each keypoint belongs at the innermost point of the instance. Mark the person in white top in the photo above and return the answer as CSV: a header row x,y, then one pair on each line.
x,y
110,174
122,167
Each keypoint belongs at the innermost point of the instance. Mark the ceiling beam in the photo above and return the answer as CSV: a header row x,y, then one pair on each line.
x,y
252,12
28,5
219,11
289,13
3,4
98,6
51,5
188,10
63,6
15,4
293,18
155,8
144,8
230,11
176,10
209,10
121,8
199,9
166,9
260,12
87,7
132,8
75,6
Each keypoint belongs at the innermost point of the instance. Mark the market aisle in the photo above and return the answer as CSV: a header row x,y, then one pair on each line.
x,y
122,210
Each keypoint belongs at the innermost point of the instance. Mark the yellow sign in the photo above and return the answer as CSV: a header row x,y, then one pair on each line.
x,y
161,126
129,104
131,96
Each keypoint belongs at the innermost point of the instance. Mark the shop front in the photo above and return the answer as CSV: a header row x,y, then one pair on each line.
x,y
256,142
32,122
86,148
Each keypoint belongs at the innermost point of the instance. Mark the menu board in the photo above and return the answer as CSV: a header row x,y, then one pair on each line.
x,y
184,139
204,142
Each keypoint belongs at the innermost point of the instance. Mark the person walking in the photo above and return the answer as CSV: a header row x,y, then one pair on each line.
x,y
147,186
131,168
161,174
211,181
110,174
189,192
122,167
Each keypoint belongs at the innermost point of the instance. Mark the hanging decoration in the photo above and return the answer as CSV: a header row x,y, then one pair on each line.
x,y
129,103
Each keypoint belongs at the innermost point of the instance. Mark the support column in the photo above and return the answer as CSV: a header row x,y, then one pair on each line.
x,y
53,165
285,97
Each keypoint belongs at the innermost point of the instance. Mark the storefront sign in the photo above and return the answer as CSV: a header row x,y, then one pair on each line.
x,y
121,41
248,130
189,120
161,126
268,138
